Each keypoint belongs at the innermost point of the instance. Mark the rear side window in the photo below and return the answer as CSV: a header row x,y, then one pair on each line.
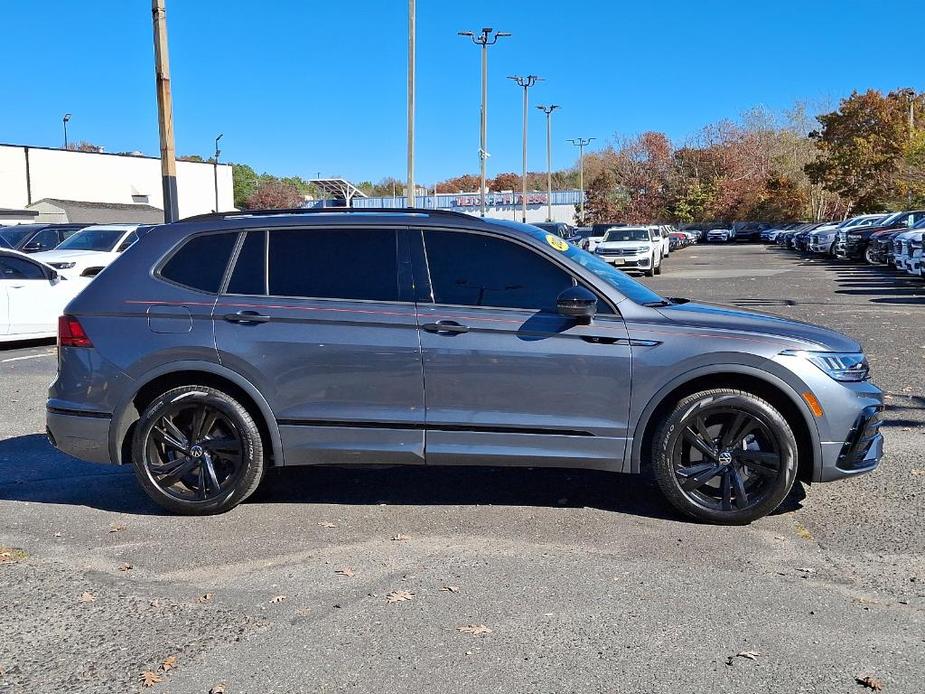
x,y
19,269
250,270
478,270
200,263
334,264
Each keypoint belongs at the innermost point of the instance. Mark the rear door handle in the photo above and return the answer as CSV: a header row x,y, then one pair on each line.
x,y
446,327
246,317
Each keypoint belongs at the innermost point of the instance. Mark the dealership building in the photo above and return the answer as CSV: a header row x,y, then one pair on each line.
x,y
46,184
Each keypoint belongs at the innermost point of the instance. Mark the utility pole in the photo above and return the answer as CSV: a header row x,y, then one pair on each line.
x,y
526,83
67,117
218,153
581,143
165,112
411,37
548,111
485,39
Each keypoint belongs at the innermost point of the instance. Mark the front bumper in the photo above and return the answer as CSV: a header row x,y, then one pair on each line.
x,y
862,450
626,261
84,435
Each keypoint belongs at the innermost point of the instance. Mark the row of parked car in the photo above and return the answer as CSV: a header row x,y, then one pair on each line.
x,y
893,239
640,248
44,266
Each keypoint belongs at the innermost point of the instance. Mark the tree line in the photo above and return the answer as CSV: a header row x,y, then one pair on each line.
x,y
866,155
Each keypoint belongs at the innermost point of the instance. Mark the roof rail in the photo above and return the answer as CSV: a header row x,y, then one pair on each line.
x,y
327,210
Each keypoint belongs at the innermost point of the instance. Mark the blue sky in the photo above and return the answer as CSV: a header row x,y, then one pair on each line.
x,y
300,87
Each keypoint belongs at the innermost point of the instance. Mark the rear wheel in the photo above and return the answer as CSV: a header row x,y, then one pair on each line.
x,y
725,456
197,451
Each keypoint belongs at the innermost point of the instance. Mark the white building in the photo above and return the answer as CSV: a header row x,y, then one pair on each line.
x,y
29,175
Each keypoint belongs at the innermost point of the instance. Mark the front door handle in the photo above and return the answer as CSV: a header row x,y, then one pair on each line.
x,y
446,327
246,317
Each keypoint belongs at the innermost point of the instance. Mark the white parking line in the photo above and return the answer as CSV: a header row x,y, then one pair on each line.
x,y
28,356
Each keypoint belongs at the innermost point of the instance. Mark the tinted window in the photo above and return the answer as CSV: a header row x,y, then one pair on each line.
x,y
477,270
92,240
334,263
129,240
249,275
19,269
200,263
45,240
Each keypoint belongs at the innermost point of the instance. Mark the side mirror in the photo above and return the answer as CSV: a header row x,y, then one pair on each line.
x,y
578,303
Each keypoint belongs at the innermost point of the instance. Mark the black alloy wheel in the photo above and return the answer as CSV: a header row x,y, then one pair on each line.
x,y
725,456
197,451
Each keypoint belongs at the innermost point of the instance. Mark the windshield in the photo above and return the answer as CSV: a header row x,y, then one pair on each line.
x,y
92,240
626,235
13,236
620,281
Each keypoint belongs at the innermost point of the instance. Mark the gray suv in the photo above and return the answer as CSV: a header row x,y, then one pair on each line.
x,y
222,345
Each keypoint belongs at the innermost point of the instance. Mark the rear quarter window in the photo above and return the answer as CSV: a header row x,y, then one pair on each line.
x,y
201,261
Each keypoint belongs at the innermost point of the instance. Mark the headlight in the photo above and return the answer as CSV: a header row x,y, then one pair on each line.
x,y
63,266
841,366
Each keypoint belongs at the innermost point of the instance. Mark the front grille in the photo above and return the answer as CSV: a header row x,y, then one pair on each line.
x,y
865,431
618,252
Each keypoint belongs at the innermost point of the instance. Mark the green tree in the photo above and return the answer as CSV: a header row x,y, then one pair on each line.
x,y
244,183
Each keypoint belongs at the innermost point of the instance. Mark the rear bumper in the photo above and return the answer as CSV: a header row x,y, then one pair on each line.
x,y
84,435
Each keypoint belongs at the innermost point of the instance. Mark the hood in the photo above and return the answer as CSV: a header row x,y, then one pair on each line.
x,y
623,244
712,316
69,256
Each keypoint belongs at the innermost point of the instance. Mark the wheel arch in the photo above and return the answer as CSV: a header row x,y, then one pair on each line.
x,y
175,374
763,384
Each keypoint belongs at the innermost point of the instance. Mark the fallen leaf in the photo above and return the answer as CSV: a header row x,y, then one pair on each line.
x,y
11,555
806,569
125,567
169,663
399,596
327,524
918,471
218,688
87,596
450,589
347,571
304,612
399,538
277,599
870,682
116,528
206,598
474,629
149,678
155,603
803,532
751,655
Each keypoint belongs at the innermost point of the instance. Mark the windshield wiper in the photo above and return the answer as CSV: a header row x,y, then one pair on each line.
x,y
656,304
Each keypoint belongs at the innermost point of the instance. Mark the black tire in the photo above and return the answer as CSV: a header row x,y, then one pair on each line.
x,y
748,471
195,466
650,271
658,268
869,256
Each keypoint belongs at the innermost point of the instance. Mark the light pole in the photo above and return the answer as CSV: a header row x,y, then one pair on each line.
x,y
485,39
548,111
581,143
526,83
67,117
165,111
218,153
411,199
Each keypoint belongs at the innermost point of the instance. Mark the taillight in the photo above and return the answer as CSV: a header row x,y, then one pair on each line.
x,y
71,333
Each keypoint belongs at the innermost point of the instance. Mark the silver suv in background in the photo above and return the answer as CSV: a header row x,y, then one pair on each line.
x,y
218,347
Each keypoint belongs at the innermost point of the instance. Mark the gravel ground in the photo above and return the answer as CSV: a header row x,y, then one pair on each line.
x,y
586,581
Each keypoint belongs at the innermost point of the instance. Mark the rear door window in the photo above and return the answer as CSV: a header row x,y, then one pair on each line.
x,y
351,264
200,263
20,269
250,270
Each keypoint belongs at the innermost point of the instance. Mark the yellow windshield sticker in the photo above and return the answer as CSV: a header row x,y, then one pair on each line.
x,y
556,242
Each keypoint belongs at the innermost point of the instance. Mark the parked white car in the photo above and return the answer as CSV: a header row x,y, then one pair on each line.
x,y
665,232
632,248
719,235
88,251
917,259
32,296
902,249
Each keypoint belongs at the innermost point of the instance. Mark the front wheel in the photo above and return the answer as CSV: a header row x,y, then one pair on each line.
x,y
650,271
725,456
197,451
869,256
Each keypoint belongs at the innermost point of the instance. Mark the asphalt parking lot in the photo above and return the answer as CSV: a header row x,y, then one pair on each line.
x,y
513,580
